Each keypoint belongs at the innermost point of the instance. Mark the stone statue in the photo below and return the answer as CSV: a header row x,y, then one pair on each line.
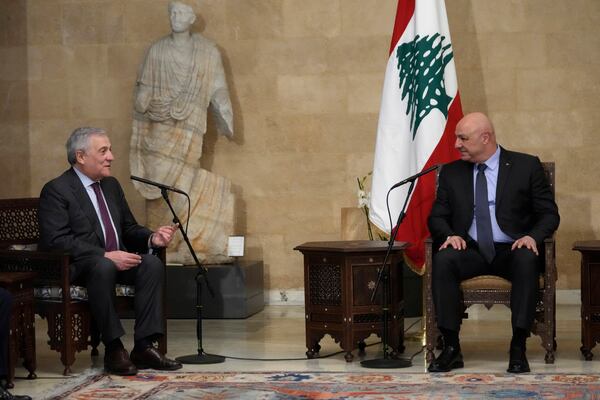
x,y
180,77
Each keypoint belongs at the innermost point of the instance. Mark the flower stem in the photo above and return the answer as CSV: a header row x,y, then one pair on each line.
x,y
366,210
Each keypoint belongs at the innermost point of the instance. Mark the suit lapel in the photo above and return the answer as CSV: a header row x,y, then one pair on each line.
x,y
504,168
87,207
469,191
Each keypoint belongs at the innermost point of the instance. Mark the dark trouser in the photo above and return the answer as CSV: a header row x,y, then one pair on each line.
x,y
451,267
99,274
5,305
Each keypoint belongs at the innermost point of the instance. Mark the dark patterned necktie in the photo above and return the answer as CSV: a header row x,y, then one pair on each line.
x,y
485,238
110,237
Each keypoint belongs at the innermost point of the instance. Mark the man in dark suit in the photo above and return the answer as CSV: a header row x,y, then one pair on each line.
x,y
5,307
84,212
492,211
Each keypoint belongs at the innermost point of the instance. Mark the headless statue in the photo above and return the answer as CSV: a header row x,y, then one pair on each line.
x,y
180,77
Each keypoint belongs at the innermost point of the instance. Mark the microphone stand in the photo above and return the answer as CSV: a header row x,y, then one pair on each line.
x,y
201,357
384,275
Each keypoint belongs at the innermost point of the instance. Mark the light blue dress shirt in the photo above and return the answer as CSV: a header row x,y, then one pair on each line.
x,y
491,176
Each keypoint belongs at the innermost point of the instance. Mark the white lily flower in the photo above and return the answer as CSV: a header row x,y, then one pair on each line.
x,y
364,198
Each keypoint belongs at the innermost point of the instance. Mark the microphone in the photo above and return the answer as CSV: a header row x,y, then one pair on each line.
x,y
415,176
158,185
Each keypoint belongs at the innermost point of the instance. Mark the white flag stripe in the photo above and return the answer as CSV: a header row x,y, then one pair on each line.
x,y
397,155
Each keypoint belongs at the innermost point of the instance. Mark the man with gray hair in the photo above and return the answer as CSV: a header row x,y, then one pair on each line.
x,y
84,212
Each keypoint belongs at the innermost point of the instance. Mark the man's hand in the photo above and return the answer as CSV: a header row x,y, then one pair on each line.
x,y
123,260
526,241
163,236
456,242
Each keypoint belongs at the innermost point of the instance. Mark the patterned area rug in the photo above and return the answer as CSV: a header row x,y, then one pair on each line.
x,y
318,385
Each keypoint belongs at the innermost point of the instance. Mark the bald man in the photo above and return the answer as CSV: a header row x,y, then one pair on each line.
x,y
492,212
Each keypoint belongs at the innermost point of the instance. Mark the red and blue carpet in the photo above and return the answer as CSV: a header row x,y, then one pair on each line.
x,y
319,385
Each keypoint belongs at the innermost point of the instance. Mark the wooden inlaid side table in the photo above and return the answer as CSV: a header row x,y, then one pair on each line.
x,y
21,340
590,295
339,279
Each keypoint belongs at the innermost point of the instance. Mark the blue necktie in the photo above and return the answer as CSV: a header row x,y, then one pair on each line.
x,y
485,237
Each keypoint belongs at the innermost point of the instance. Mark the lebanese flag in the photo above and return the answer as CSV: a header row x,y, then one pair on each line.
x,y
420,107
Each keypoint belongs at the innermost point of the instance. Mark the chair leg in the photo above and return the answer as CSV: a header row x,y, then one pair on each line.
x,y
29,358
61,336
94,337
431,339
550,345
554,345
549,328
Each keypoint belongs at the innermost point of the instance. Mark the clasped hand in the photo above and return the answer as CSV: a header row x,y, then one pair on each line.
x,y
458,243
123,260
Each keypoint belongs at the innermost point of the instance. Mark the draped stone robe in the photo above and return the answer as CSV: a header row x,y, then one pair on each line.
x,y
175,88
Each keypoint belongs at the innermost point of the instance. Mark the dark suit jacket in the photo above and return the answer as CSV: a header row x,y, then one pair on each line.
x,y
69,222
524,200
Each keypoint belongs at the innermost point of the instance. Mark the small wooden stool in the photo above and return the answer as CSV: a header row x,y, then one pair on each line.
x,y
21,339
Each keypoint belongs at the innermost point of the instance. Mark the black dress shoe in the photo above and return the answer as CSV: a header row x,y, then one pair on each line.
x,y
449,359
117,362
517,363
150,357
6,395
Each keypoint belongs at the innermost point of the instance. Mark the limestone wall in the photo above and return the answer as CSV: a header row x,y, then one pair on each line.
x,y
14,101
305,78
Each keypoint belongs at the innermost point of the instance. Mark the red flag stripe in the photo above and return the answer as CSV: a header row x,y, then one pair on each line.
x,y
404,13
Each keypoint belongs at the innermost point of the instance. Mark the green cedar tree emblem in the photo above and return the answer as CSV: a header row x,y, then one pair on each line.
x,y
421,65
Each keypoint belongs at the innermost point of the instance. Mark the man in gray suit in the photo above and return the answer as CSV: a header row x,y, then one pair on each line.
x,y
84,212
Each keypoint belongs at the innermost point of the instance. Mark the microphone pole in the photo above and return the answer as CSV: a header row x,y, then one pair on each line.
x,y
415,176
384,274
158,185
201,357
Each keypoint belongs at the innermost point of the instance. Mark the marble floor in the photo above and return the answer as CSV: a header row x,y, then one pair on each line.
x,y
274,340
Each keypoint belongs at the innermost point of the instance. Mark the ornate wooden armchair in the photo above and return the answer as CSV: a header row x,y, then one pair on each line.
x,y
64,306
489,290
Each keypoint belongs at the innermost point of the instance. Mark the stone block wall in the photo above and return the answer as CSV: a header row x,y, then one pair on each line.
x,y
14,100
305,79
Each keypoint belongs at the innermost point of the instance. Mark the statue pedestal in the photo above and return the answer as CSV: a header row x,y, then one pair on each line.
x,y
238,290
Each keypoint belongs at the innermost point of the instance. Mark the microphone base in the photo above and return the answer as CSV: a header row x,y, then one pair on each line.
x,y
201,358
